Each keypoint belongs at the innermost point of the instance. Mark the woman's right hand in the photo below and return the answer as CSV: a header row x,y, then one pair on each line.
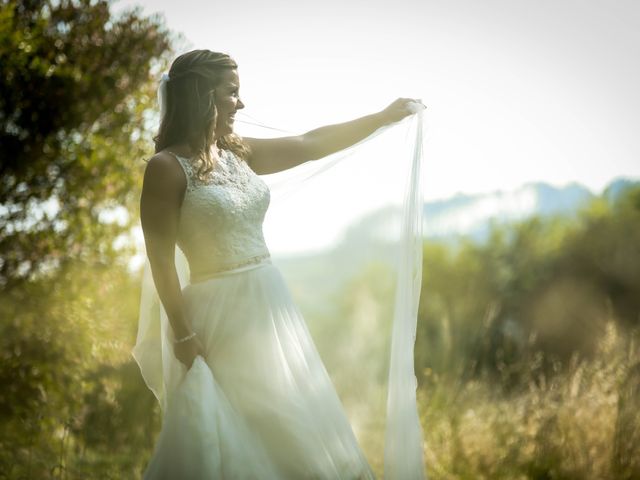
x,y
400,108
187,351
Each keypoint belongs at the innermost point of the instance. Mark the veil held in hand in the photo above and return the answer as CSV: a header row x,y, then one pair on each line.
x,y
346,233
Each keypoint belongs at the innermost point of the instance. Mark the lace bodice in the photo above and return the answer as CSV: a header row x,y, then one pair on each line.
x,y
220,225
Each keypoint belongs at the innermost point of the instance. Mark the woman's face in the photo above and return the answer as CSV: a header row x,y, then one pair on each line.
x,y
227,100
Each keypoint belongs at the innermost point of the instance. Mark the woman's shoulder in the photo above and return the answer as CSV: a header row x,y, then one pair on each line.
x,y
165,169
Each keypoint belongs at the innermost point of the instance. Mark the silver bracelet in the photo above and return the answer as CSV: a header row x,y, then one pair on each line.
x,y
184,339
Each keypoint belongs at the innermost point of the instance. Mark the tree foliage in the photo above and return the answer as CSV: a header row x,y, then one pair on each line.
x,y
537,287
75,89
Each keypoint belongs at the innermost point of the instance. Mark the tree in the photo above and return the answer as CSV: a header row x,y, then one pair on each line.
x,y
76,93
539,286
75,90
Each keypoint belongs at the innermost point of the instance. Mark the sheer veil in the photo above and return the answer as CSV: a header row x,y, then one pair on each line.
x,y
346,233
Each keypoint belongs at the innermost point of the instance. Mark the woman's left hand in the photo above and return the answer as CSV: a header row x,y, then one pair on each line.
x,y
400,108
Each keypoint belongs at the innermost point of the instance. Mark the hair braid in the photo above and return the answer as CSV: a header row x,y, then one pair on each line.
x,y
190,111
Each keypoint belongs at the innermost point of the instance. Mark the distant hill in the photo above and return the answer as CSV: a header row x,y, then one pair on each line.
x,y
471,215
449,219
619,185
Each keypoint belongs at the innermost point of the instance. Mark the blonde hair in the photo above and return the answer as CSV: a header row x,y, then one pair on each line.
x,y
191,115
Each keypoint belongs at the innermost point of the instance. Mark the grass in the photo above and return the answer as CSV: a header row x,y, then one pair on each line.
x,y
579,423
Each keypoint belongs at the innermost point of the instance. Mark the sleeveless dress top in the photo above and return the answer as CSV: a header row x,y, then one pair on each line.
x,y
220,226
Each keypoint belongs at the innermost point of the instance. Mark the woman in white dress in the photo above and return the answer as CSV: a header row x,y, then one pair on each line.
x,y
243,390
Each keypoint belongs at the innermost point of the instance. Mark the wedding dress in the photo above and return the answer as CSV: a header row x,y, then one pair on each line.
x,y
261,404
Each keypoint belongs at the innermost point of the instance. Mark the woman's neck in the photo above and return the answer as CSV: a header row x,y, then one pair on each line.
x,y
184,150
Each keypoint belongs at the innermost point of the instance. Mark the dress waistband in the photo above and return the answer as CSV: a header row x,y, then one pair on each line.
x,y
247,264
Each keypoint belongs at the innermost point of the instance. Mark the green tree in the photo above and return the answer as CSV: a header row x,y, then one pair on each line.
x,y
77,91
539,286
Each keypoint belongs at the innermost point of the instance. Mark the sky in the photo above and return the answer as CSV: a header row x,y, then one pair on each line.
x,y
517,91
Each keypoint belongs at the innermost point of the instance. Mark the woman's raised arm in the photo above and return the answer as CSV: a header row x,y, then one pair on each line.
x,y
271,155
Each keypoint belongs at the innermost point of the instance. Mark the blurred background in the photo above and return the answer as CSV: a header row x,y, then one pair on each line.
x,y
527,351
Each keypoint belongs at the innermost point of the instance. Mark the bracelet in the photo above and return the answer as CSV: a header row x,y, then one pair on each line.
x,y
184,339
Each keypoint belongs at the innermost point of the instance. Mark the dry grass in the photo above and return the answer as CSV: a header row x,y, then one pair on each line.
x,y
580,424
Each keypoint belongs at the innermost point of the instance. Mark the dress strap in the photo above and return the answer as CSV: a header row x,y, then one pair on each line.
x,y
186,167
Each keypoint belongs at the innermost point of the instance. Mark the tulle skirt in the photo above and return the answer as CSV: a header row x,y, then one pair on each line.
x,y
261,403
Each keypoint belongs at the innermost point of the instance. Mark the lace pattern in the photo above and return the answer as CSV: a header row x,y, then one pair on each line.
x,y
228,170
221,217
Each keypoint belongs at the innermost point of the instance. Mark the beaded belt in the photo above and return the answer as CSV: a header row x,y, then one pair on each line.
x,y
241,266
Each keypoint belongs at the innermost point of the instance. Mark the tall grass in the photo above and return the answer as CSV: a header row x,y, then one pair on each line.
x,y
578,422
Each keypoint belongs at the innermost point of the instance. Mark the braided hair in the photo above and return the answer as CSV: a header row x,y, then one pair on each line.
x,y
190,109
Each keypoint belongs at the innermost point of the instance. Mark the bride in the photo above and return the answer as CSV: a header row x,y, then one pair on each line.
x,y
243,391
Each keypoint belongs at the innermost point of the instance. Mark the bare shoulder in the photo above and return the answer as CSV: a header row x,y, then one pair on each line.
x,y
163,172
163,190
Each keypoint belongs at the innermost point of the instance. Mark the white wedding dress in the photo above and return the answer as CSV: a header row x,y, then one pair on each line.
x,y
261,404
